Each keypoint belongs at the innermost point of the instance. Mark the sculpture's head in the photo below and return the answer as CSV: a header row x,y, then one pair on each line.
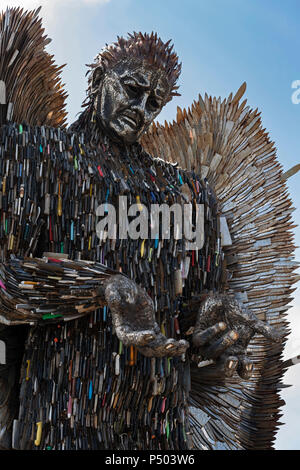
x,y
130,82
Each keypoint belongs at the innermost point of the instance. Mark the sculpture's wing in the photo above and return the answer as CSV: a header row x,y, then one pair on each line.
x,y
30,83
31,91
226,143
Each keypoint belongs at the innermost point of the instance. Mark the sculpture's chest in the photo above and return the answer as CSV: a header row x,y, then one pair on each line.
x,y
57,193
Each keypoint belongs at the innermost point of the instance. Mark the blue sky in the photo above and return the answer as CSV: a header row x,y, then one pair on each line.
x,y
221,44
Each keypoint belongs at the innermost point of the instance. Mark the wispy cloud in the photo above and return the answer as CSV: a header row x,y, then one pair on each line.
x,y
49,7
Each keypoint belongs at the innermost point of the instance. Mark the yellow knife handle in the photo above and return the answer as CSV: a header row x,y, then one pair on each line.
x,y
38,434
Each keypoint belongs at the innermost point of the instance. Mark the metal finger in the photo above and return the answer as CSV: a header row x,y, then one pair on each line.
x,y
247,317
175,348
136,338
202,337
230,364
245,368
218,347
267,330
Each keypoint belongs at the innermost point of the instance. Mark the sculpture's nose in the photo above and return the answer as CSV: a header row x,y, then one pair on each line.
x,y
139,105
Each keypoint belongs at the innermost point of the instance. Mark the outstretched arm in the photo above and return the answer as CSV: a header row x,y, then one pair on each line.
x,y
49,289
34,289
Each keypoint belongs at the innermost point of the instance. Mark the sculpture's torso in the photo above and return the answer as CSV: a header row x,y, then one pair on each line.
x,y
87,389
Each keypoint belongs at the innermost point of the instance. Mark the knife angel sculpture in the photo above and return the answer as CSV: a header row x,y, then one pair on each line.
x,y
122,380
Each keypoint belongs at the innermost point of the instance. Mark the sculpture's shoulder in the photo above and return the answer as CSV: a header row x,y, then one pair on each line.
x,y
60,146
25,135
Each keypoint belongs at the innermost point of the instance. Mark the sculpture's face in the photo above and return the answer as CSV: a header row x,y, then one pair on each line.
x,y
130,96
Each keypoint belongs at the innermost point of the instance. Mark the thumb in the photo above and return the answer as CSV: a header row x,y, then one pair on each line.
x,y
265,329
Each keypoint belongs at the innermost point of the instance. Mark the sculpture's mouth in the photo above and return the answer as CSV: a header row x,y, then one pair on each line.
x,y
131,118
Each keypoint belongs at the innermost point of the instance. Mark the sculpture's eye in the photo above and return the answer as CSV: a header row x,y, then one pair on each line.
x,y
153,104
132,90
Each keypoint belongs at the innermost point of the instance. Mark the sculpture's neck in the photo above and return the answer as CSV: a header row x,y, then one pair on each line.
x,y
92,129
96,137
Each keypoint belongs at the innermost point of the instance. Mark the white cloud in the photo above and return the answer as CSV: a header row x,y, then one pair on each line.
x,y
50,8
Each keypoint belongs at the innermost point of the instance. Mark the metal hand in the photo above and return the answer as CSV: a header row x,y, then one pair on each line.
x,y
134,319
223,331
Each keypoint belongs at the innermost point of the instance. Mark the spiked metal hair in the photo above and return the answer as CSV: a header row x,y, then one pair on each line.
x,y
139,47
